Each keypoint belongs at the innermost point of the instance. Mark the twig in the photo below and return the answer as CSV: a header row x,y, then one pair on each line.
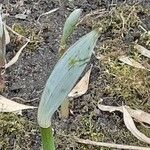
x,y
110,145
99,13
123,20
23,100
143,28
47,13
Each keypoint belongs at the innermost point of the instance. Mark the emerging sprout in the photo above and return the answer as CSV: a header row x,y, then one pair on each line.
x,y
64,76
61,81
69,27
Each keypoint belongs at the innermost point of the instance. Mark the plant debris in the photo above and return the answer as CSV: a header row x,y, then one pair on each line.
x,y
21,16
131,62
7,105
137,114
16,57
132,128
110,145
82,86
145,52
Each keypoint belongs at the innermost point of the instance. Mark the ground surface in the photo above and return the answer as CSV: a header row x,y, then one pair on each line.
x,y
27,77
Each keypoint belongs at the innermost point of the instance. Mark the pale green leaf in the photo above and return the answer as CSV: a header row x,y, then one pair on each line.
x,y
64,76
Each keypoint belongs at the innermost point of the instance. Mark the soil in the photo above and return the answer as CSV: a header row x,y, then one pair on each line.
x,y
27,77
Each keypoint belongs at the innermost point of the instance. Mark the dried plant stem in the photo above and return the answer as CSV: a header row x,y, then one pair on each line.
x,y
110,145
47,139
64,109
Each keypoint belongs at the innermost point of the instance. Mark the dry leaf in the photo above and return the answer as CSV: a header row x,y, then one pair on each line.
x,y
142,50
139,115
82,86
110,145
7,37
7,105
127,113
21,16
2,44
131,62
132,128
15,58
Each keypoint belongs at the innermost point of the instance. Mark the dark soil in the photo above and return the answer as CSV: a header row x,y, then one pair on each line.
x,y
27,77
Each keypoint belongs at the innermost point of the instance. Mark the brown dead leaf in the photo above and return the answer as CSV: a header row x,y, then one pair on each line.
x,y
132,128
7,105
145,52
82,86
131,62
137,114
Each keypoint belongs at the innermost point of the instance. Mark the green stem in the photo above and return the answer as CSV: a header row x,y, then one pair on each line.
x,y
47,138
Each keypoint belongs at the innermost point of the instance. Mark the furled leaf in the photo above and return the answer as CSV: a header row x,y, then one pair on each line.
x,y
82,86
132,128
69,26
131,62
64,76
137,114
7,105
145,52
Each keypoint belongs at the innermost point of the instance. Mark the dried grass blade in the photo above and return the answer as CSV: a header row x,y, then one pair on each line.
x,y
47,13
15,58
110,145
7,37
131,62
